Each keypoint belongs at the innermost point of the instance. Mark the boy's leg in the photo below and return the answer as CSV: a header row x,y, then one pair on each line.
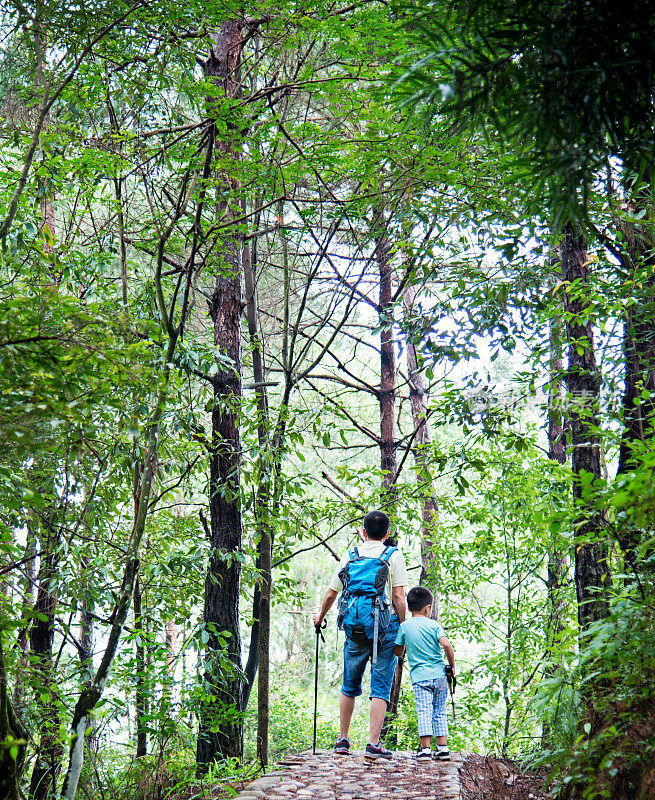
x,y
423,695
439,716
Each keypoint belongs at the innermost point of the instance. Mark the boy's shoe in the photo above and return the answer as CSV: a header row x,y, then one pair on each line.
x,y
442,753
376,751
342,747
423,754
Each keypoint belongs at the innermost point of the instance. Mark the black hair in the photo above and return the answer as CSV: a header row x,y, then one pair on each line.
x,y
418,598
376,525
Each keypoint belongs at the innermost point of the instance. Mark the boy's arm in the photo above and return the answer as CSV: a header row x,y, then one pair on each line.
x,y
448,650
399,649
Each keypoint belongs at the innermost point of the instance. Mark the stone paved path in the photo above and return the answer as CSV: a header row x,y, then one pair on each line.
x,y
326,776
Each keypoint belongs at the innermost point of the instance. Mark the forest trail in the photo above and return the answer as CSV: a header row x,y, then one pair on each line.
x,y
331,777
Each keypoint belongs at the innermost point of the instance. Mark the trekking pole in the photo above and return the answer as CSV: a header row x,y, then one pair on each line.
x,y
452,682
319,632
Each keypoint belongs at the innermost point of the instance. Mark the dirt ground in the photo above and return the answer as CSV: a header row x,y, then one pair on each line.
x,y
489,778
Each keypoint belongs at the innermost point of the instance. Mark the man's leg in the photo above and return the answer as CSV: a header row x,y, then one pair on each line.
x,y
346,708
378,711
381,678
354,663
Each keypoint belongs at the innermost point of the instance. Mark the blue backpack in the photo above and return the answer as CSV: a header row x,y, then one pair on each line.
x,y
364,615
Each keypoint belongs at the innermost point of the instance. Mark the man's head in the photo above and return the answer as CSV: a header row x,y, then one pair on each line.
x,y
418,598
376,525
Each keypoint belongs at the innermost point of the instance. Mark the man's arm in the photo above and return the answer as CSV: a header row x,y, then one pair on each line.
x,y
399,602
399,650
448,650
330,597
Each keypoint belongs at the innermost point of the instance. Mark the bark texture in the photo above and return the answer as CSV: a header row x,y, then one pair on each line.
x,y
421,450
387,400
262,608
28,585
557,559
11,764
87,638
558,565
638,257
592,575
47,765
639,350
140,684
387,395
221,729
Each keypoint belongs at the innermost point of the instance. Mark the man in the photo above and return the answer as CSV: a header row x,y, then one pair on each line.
x,y
356,653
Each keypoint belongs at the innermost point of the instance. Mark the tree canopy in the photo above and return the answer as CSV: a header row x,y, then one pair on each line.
x,y
263,270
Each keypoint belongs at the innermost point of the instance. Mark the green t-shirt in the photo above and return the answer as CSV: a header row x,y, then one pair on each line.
x,y
421,635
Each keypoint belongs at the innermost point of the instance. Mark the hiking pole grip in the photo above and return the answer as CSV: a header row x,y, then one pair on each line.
x,y
450,677
452,683
319,632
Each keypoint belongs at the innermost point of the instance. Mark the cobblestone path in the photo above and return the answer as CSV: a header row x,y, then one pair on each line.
x,y
326,776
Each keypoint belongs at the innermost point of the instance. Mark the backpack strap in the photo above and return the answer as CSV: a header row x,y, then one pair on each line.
x,y
353,554
376,627
387,553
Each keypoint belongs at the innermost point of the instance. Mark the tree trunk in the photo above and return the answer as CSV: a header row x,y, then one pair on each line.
x,y
592,575
387,400
557,560
43,783
140,682
638,260
421,449
387,395
11,764
262,503
86,632
250,284
28,591
221,733
557,569
171,648
168,678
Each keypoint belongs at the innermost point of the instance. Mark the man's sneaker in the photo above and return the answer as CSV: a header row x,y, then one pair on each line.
x,y
442,753
376,751
342,747
423,754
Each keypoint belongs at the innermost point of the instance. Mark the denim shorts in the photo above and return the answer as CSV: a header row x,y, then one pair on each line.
x,y
355,658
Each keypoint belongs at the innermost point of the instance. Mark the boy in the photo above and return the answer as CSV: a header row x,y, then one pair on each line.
x,y
424,637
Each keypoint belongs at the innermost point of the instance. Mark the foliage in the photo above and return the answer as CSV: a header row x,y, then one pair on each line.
x,y
570,84
614,752
142,176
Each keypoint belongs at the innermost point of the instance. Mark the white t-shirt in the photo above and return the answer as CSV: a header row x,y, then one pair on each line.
x,y
373,549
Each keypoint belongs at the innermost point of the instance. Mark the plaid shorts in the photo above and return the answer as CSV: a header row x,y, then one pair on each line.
x,y
430,697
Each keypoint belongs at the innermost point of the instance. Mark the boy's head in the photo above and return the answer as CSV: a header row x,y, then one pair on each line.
x,y
418,598
376,525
